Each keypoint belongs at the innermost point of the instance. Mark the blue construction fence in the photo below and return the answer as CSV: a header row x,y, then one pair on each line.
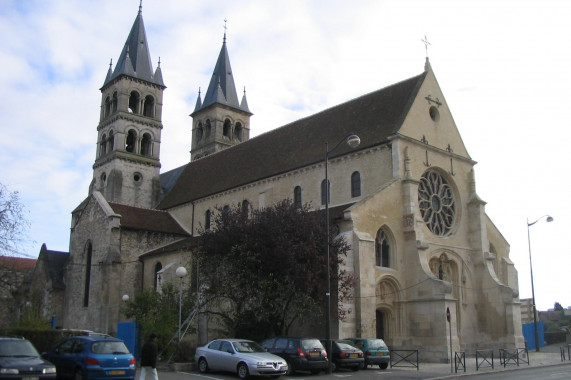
x,y
529,335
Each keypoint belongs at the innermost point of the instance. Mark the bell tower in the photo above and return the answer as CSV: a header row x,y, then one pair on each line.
x,y
127,164
220,121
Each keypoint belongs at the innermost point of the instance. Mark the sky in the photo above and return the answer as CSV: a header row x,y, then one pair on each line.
x,y
503,67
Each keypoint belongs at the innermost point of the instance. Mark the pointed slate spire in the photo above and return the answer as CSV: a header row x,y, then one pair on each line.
x,y
221,88
198,102
109,72
135,58
159,74
244,102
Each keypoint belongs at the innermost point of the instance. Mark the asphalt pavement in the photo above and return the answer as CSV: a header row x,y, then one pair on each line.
x,y
547,356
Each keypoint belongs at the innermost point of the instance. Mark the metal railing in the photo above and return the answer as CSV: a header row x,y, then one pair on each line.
x,y
460,361
408,358
484,359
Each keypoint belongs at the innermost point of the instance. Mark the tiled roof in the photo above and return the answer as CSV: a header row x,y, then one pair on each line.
x,y
146,219
373,117
19,264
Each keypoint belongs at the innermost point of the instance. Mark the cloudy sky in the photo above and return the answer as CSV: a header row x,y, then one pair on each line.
x,y
503,67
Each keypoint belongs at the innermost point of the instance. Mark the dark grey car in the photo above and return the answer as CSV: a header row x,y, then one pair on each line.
x,y
19,359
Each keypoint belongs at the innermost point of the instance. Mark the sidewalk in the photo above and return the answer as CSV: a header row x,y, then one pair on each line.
x,y
548,355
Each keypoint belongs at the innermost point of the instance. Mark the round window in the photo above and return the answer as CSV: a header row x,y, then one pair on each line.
x,y
436,203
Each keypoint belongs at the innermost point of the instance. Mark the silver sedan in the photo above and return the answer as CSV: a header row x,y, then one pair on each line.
x,y
243,357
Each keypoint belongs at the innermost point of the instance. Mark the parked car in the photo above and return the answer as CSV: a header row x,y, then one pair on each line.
x,y
93,357
345,355
301,354
243,357
19,359
375,350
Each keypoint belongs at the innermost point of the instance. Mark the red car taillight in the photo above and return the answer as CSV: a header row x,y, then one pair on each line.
x,y
300,352
133,362
342,354
91,361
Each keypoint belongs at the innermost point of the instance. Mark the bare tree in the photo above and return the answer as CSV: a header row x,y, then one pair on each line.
x,y
13,224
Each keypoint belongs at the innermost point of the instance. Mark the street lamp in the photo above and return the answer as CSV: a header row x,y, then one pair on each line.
x,y
547,219
353,141
180,272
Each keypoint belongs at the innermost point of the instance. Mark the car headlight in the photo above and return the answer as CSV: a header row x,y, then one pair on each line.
x,y
49,370
9,371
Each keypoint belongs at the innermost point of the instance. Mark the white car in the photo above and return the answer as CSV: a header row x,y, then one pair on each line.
x,y
243,357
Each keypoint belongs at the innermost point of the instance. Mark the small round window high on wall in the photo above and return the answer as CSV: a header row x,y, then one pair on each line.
x,y
436,202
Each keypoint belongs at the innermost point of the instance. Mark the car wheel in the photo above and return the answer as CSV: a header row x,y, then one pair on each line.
x,y
290,370
78,375
242,371
202,365
384,365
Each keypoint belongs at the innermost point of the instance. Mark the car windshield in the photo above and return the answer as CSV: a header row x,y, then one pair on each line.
x,y
17,348
343,346
246,346
109,347
377,343
309,344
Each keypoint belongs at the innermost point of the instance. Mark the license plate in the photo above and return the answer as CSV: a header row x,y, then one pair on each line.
x,y
315,353
354,355
30,378
116,372
380,353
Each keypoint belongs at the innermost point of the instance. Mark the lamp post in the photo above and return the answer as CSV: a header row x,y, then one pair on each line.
x,y
180,272
353,141
547,219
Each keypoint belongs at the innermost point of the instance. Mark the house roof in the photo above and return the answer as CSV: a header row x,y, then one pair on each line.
x,y
373,117
19,264
146,219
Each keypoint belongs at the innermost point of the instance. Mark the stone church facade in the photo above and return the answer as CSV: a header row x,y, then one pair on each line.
x,y
420,239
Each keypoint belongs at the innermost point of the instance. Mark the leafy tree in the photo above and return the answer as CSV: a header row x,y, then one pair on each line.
x,y
557,307
262,271
158,313
13,224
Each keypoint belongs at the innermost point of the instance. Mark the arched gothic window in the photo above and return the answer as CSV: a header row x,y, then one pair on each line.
x,y
238,132
131,140
111,141
245,208
325,193
208,128
382,250
199,132
149,106
107,108
297,196
207,216
87,280
146,145
355,184
103,145
114,103
227,129
157,280
134,102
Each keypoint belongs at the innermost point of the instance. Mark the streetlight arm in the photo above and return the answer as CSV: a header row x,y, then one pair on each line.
x,y
351,138
547,219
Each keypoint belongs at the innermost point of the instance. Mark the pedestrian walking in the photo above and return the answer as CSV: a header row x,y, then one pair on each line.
x,y
149,354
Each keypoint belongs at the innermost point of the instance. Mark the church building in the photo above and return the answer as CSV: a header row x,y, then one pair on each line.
x,y
420,240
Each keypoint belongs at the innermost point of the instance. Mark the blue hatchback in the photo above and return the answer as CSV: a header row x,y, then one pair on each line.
x,y
93,358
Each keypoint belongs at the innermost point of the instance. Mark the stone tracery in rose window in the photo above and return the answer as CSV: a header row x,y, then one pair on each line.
x,y
436,202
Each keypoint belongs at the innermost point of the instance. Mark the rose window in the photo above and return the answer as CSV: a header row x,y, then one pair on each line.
x,y
436,203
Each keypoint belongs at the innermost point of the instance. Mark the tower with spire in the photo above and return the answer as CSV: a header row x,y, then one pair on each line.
x,y
127,163
219,121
